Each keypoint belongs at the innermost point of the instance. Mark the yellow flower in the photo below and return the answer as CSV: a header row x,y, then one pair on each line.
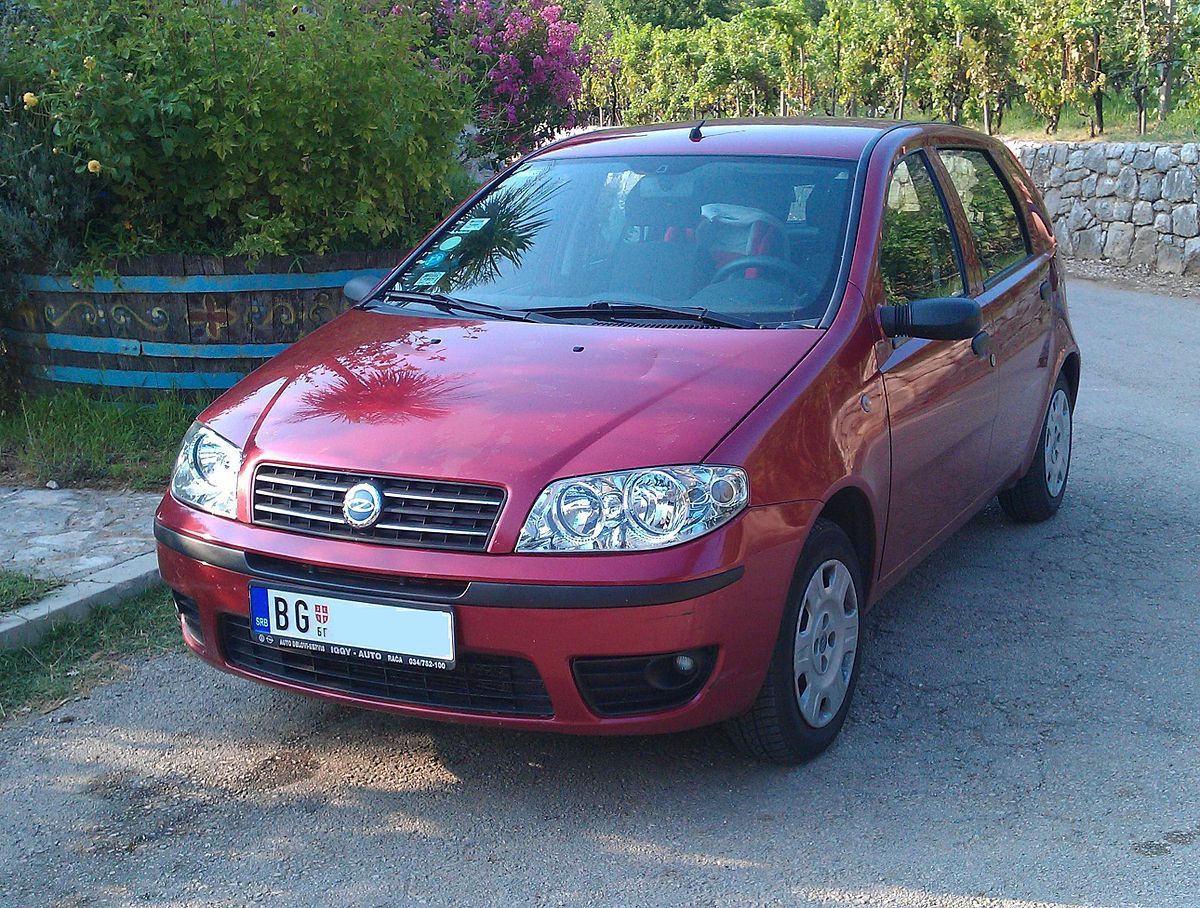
x,y
89,63
30,99
93,166
54,74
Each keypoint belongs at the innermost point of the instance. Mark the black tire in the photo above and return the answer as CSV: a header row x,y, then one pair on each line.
x,y
1031,499
774,729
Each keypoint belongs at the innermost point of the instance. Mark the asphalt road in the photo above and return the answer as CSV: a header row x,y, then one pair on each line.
x,y
1025,733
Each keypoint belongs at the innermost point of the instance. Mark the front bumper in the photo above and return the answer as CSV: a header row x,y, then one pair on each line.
x,y
728,602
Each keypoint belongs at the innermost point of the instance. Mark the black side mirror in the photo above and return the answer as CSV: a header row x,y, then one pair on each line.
x,y
949,318
357,288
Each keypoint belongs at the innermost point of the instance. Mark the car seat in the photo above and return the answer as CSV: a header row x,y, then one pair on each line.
x,y
657,255
730,232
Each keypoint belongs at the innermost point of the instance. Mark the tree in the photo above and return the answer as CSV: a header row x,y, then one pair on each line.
x,y
949,59
671,14
908,27
1050,56
788,28
984,39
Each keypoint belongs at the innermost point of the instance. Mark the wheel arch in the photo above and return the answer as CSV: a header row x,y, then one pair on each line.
x,y
850,509
1070,368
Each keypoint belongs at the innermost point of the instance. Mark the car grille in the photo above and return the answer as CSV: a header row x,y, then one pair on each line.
x,y
416,512
490,685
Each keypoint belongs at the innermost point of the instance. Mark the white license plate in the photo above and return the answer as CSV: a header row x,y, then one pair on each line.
x,y
311,621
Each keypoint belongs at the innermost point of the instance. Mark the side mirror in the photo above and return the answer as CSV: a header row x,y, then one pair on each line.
x,y
357,288
949,318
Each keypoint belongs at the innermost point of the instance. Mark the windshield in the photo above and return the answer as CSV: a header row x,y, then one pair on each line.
x,y
755,239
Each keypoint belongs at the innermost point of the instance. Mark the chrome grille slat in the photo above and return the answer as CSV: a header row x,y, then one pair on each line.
x,y
402,511
418,528
419,513
307,515
324,486
304,499
417,496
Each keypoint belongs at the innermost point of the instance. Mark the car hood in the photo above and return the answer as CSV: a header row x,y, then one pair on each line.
x,y
510,403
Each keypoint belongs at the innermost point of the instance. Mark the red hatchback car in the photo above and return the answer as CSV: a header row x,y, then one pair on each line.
x,y
632,440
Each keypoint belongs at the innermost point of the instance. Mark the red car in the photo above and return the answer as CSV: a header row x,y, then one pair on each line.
x,y
634,438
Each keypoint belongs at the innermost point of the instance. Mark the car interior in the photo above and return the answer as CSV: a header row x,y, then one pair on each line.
x,y
761,239
763,245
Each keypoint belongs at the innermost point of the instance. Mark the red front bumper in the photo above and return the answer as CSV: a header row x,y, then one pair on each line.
x,y
740,619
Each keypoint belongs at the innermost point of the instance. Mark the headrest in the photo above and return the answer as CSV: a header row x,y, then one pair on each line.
x,y
657,200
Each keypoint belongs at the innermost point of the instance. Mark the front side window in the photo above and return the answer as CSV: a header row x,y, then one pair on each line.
x,y
918,258
995,225
756,238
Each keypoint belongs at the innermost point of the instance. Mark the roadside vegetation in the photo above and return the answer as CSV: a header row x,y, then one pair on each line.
x,y
1058,66
72,439
18,589
74,658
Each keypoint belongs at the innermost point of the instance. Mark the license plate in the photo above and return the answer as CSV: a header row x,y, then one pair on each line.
x,y
311,621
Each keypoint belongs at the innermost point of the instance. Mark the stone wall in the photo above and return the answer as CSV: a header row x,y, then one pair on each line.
x,y
1128,203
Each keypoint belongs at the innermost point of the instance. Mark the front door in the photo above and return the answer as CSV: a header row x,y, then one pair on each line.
x,y
1017,289
941,395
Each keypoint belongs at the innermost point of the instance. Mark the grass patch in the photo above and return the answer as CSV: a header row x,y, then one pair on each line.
x,y
1120,124
77,440
74,658
17,590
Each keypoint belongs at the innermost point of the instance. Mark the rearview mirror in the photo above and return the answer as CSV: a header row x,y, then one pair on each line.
x,y
949,318
357,288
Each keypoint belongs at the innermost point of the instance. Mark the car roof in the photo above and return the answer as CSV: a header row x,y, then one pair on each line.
x,y
824,137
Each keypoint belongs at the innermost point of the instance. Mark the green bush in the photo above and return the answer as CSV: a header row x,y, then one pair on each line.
x,y
44,204
256,127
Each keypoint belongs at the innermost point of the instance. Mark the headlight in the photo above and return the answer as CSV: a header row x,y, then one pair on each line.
x,y
633,509
206,472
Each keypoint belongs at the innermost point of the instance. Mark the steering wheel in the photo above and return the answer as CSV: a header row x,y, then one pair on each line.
x,y
766,262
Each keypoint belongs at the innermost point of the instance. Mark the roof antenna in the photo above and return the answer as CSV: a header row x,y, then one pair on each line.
x,y
696,135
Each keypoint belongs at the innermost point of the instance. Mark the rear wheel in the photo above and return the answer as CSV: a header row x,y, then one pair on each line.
x,y
1038,494
814,667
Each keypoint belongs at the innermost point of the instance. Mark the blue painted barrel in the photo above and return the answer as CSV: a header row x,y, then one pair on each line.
x,y
181,323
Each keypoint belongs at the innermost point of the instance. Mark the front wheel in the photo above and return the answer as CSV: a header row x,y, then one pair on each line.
x,y
1038,494
814,668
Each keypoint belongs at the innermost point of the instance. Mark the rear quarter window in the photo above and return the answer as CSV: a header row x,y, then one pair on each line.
x,y
1000,234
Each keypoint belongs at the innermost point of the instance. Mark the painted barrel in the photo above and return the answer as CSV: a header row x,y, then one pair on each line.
x,y
177,322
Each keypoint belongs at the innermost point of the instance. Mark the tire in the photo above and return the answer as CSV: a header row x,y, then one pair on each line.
x,y
1038,494
784,726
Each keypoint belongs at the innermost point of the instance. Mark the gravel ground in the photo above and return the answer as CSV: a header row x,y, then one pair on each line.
x,y
1024,735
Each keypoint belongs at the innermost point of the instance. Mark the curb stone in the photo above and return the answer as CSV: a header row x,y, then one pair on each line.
x,y
75,601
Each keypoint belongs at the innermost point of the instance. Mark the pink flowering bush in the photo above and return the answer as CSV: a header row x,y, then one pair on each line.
x,y
525,62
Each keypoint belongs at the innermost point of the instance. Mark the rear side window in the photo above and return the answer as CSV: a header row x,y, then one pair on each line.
x,y
999,233
918,258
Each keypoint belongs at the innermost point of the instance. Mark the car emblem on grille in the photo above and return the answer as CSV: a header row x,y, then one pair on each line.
x,y
362,505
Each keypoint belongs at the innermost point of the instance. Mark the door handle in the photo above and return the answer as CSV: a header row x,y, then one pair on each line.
x,y
981,344
1046,291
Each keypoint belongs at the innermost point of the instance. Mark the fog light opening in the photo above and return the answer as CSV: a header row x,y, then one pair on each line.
x,y
673,672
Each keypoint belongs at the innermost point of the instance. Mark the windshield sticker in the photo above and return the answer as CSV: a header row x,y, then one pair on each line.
x,y
449,243
429,278
472,225
434,259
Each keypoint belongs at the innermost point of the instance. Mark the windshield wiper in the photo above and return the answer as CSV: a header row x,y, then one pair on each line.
x,y
617,309
445,303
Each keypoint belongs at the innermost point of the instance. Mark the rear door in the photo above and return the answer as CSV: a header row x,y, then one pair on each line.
x,y
1015,294
940,394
